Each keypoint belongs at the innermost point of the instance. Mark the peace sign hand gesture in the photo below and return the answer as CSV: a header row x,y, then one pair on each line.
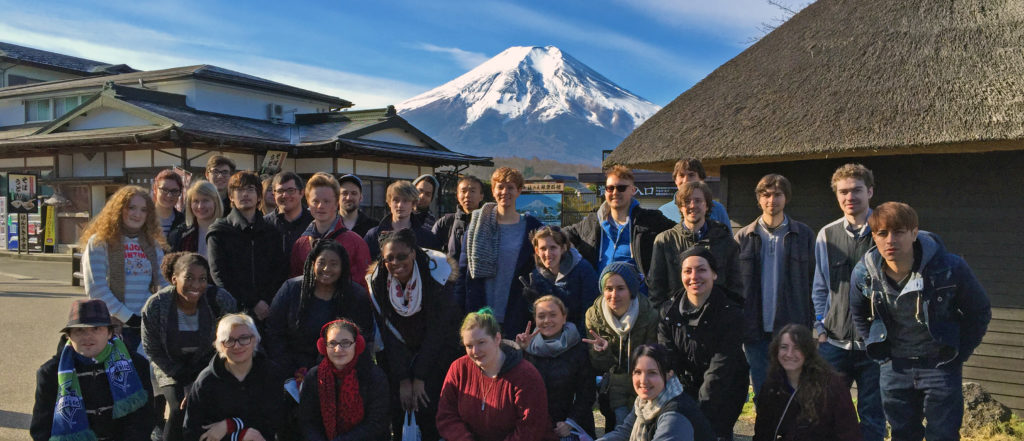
x,y
523,340
598,343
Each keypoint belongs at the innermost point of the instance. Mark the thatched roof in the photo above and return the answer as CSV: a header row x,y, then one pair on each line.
x,y
853,78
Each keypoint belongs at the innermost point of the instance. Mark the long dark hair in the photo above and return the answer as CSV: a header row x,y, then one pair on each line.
x,y
656,352
814,375
341,287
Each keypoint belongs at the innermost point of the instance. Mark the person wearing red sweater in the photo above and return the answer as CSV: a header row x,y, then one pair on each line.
x,y
322,194
492,394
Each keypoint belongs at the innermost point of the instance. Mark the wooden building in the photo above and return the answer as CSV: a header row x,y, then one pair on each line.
x,y
927,94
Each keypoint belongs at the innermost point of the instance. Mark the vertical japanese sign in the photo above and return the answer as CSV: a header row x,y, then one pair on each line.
x,y
21,193
272,162
50,228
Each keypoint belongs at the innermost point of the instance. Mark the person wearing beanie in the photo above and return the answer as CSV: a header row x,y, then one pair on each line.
x,y
619,320
428,187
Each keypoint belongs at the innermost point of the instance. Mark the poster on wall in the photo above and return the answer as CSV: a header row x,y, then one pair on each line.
x,y
21,193
546,207
272,162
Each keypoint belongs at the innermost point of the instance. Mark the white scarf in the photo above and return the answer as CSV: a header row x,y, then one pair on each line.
x,y
624,324
647,411
406,299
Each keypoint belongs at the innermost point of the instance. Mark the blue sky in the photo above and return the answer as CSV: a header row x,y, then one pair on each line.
x,y
382,52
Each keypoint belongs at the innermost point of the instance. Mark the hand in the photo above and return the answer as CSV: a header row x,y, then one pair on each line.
x,y
523,340
822,338
262,310
562,429
253,435
598,343
405,396
215,431
419,394
183,400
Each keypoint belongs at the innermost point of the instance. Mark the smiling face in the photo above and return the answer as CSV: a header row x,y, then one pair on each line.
x,y
483,349
426,189
698,278
772,201
469,194
219,176
616,294
505,194
89,342
287,196
190,284
240,353
549,252
399,260
351,197
327,268
694,210
550,319
167,193
616,198
648,380
323,203
853,196
202,207
133,215
790,357
341,348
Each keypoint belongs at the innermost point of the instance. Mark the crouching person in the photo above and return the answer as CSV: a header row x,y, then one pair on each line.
x,y
94,388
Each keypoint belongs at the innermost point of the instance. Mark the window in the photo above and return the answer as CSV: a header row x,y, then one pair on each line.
x,y
40,110
37,110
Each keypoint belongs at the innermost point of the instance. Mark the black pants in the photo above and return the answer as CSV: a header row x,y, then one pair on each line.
x,y
174,394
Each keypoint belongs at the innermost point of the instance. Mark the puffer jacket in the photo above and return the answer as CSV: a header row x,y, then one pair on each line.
x,y
246,259
569,379
575,284
664,277
614,361
586,235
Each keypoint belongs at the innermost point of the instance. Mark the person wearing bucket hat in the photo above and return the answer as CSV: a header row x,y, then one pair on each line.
x,y
93,388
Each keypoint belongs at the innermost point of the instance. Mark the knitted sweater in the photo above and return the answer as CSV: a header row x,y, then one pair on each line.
x,y
138,274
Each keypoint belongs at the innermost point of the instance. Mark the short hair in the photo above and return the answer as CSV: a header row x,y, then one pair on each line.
x,y
166,174
228,322
218,160
286,176
403,190
471,179
892,216
553,299
483,319
554,233
509,175
687,190
689,164
621,172
202,187
774,180
855,171
181,261
321,179
656,352
244,179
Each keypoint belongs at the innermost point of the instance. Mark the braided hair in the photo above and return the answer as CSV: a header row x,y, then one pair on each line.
x,y
341,286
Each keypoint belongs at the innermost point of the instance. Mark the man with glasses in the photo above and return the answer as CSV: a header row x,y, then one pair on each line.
x,y
352,216
219,170
245,251
620,230
167,189
291,218
692,170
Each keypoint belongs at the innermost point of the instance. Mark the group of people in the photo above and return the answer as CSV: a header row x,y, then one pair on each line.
x,y
315,321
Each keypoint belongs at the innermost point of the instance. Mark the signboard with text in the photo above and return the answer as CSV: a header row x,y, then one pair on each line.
x,y
21,193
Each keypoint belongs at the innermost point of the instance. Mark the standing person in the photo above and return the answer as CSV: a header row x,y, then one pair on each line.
x,y
351,199
322,193
696,229
692,170
561,271
491,393
837,249
496,232
345,395
121,262
558,352
167,189
922,313
268,205
245,252
94,387
703,331
451,228
401,198
202,209
620,230
776,270
237,396
178,330
291,219
428,188
803,399
411,293
219,170
620,320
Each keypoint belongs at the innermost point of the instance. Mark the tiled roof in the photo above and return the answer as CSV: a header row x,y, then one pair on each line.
x,y
62,62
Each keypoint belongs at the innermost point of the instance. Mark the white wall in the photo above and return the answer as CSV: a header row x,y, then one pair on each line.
x,y
12,162
394,135
371,168
65,166
103,118
249,103
99,198
85,167
138,158
115,164
12,112
39,161
404,171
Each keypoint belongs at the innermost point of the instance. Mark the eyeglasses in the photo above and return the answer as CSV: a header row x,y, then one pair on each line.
x,y
247,189
244,340
286,191
396,257
344,344
214,172
170,191
621,188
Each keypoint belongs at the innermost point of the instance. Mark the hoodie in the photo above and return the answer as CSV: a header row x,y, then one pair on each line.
x,y
425,216
575,284
255,401
358,252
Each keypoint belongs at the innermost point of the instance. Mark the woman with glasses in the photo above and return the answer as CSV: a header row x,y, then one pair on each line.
x,y
563,273
345,396
202,208
410,290
238,394
167,188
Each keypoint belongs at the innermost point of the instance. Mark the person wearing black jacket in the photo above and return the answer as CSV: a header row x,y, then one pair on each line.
x,y
401,198
451,228
703,330
290,218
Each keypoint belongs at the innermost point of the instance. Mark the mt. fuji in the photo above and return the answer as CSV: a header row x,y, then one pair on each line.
x,y
526,102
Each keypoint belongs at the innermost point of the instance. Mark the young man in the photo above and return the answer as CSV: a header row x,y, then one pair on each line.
x,y
451,227
922,313
427,186
837,249
692,170
620,230
220,169
322,194
401,197
351,198
291,218
245,251
94,388
167,190
663,279
776,267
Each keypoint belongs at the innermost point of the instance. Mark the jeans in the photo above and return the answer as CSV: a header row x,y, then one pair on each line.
x,y
856,366
757,358
912,390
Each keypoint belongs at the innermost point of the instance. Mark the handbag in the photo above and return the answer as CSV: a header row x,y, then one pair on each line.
x,y
410,430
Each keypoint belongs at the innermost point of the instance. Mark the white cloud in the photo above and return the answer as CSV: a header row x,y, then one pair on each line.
x,y
465,59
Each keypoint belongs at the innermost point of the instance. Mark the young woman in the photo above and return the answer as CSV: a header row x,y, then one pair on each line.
x,y
562,272
562,359
620,320
238,394
411,292
167,189
345,396
491,393
803,398
268,204
178,329
202,207
121,263
662,410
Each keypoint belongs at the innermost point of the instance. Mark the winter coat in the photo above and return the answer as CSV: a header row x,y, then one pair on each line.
x,y
246,259
170,366
290,230
613,362
511,407
575,284
424,237
645,225
793,298
98,402
373,388
358,252
364,223
777,416
184,238
569,380
679,416
951,301
450,229
218,395
664,277
707,355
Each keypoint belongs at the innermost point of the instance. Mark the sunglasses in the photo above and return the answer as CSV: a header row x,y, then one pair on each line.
x,y
395,257
621,188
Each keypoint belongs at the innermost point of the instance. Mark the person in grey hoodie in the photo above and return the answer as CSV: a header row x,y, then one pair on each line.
x,y
428,187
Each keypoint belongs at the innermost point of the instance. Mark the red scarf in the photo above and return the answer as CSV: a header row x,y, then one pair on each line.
x,y
341,407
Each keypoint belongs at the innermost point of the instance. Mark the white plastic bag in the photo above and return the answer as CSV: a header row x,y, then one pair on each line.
x,y
410,430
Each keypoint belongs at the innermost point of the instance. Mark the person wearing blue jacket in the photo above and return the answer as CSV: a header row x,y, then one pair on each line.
x,y
562,272
692,170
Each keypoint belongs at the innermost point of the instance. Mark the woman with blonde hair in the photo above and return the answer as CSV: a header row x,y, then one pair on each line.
x,y
124,246
202,207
